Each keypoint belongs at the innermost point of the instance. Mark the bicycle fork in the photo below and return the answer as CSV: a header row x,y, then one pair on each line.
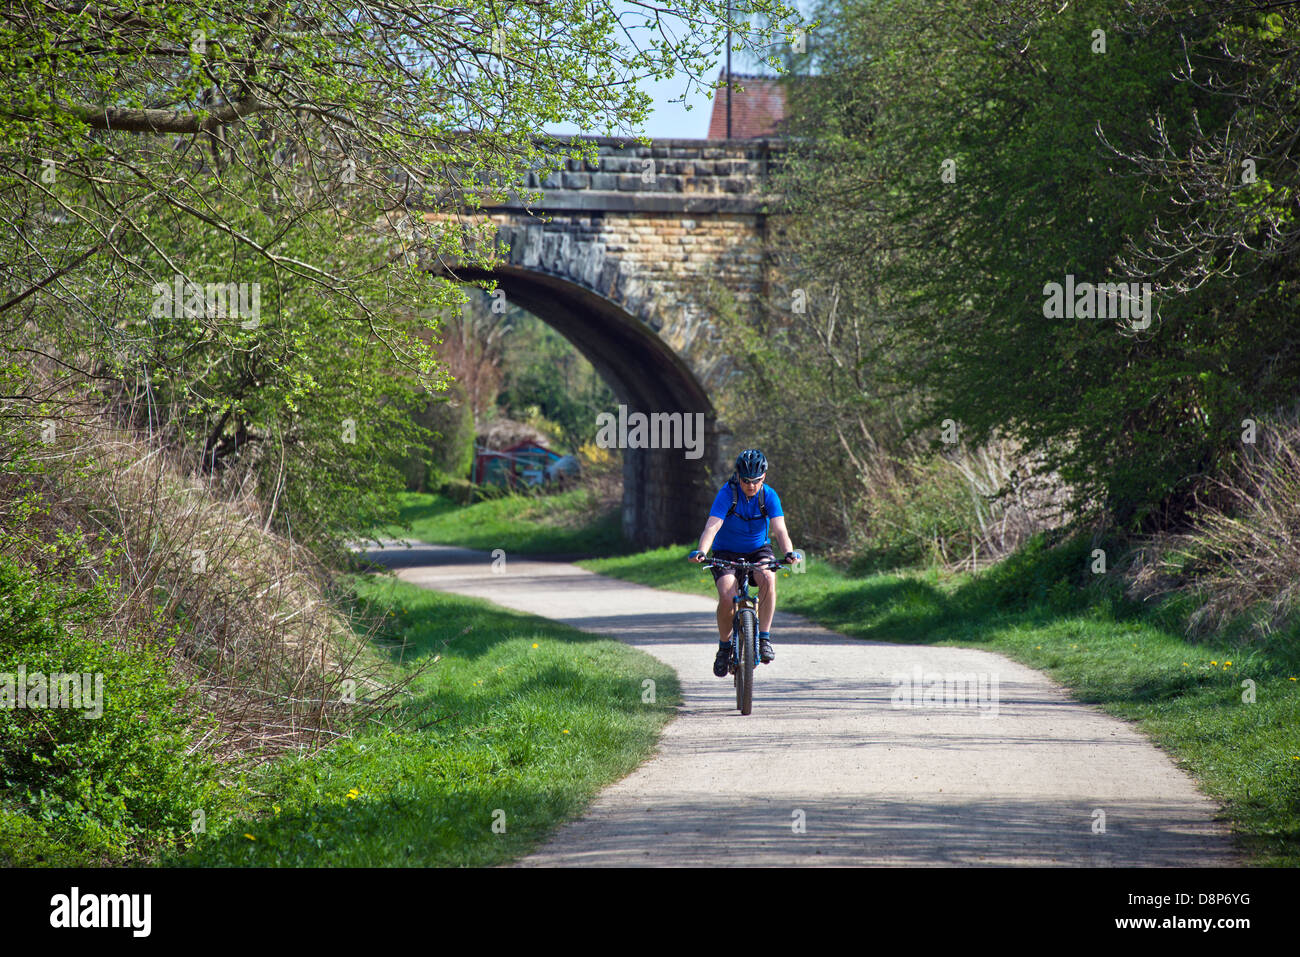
x,y
743,602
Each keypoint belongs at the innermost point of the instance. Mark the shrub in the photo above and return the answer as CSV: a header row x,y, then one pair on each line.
x,y
117,785
1239,564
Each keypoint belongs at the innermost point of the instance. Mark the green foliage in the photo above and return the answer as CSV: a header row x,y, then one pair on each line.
x,y
948,277
303,391
117,786
129,121
926,518
463,492
28,842
450,421
1044,573
117,779
546,373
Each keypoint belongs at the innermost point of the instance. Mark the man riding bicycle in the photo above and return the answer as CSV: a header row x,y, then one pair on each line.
x,y
739,522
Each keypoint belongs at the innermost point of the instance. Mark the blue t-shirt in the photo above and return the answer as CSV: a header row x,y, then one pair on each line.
x,y
746,530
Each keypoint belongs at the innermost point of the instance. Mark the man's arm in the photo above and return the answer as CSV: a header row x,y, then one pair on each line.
x,y
710,532
780,533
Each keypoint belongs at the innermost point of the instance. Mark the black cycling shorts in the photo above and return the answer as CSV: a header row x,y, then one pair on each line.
x,y
764,554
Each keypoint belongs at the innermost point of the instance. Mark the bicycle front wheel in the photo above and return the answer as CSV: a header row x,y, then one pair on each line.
x,y
735,673
745,672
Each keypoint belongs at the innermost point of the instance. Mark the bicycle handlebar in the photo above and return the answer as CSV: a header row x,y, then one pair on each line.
x,y
771,564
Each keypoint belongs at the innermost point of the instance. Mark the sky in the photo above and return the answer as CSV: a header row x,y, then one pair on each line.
x,y
670,120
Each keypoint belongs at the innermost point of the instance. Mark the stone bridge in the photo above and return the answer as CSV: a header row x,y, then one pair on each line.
x,y
629,258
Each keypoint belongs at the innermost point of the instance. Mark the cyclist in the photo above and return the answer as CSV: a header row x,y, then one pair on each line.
x,y
742,513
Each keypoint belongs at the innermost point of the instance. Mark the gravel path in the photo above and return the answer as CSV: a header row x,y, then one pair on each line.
x,y
827,770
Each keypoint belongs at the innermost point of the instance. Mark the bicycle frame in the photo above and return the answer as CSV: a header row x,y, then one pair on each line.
x,y
742,601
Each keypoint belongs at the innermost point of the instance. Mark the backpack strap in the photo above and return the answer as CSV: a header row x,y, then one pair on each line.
x,y
735,497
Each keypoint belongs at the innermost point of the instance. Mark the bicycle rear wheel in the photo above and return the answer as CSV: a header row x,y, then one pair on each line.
x,y
745,672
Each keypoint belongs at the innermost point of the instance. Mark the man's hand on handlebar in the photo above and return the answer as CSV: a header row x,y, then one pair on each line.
x,y
773,564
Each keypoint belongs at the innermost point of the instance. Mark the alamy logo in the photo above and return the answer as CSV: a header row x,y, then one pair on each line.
x,y
1103,300
103,910
59,690
658,430
213,300
931,689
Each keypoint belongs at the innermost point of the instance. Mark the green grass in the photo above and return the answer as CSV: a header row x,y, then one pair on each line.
x,y
567,523
518,724
1133,662
1042,608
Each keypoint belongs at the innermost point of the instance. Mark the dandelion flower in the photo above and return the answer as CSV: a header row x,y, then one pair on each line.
x,y
535,644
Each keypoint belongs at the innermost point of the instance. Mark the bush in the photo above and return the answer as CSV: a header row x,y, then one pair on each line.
x,y
1238,567
116,786
1046,572
450,455
216,639
464,492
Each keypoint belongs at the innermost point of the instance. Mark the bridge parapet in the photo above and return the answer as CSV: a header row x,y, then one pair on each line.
x,y
700,176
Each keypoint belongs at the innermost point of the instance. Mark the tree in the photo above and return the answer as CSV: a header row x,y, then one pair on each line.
x,y
545,372
126,118
312,161
1236,181
962,160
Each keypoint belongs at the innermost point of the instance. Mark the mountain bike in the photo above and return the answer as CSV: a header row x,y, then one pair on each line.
x,y
744,627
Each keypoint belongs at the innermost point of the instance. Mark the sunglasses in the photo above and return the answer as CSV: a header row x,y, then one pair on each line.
x,y
753,481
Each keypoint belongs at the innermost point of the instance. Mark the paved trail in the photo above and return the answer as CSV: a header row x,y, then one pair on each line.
x,y
871,783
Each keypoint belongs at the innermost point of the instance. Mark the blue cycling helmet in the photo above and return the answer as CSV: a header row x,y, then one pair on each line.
x,y
750,464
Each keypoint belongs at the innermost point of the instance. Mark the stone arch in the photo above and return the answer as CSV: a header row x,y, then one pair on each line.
x,y
666,495
623,256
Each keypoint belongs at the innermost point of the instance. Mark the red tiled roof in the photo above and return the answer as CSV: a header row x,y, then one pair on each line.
x,y
757,106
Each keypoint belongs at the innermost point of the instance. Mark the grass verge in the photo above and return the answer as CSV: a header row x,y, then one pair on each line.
x,y
511,732
566,523
1192,698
